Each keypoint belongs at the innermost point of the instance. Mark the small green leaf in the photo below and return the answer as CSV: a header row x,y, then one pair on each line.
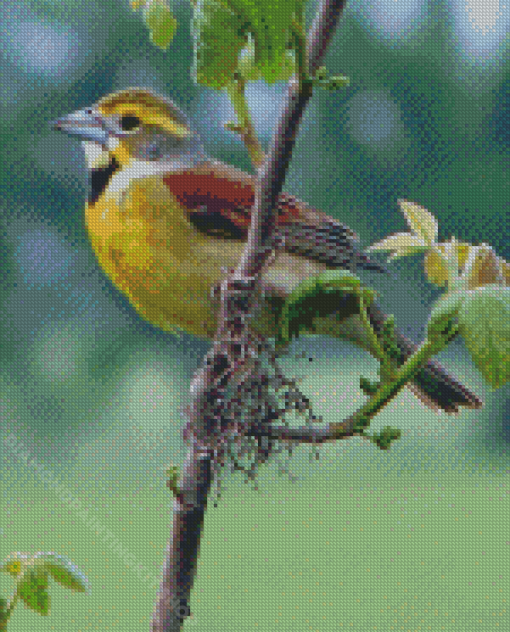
x,y
361,424
321,73
421,222
388,329
172,473
385,438
319,296
332,83
444,310
160,22
484,323
219,35
31,589
63,571
367,386
400,245
250,70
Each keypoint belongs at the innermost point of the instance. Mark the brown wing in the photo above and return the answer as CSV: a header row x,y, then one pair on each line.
x,y
219,197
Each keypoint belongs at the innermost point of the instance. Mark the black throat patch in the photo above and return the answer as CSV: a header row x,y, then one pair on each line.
x,y
100,178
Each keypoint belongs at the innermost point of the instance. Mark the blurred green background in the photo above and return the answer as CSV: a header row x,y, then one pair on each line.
x,y
91,395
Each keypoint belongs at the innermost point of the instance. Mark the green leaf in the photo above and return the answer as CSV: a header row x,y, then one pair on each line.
x,y
219,35
444,310
63,571
249,70
31,589
484,323
367,386
385,438
270,25
333,83
361,424
160,22
261,31
319,296
421,222
172,473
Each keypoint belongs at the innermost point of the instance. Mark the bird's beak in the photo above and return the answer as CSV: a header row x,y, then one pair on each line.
x,y
86,124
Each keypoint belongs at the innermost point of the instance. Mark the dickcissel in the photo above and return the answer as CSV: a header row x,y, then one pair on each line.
x,y
166,221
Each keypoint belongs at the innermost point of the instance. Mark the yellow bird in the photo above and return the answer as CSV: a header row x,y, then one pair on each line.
x,y
165,222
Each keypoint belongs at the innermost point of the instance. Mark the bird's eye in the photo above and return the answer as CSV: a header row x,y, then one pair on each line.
x,y
129,123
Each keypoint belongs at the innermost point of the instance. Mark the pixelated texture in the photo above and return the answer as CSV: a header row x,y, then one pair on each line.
x,y
91,393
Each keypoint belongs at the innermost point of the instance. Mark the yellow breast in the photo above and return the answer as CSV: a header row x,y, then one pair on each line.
x,y
146,245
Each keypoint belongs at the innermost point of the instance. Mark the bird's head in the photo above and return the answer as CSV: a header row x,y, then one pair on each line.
x,y
134,128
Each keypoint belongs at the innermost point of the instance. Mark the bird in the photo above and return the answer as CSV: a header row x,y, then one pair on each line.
x,y
167,222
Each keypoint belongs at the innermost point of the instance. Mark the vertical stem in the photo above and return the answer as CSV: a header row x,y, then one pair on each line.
x,y
10,608
189,508
372,336
236,92
301,54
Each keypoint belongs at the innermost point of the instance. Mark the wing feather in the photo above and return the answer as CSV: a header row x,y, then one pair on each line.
x,y
219,197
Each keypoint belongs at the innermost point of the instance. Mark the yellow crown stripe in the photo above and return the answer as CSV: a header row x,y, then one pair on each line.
x,y
150,116
168,124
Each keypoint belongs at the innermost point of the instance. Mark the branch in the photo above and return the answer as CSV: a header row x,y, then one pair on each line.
x,y
230,347
359,420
